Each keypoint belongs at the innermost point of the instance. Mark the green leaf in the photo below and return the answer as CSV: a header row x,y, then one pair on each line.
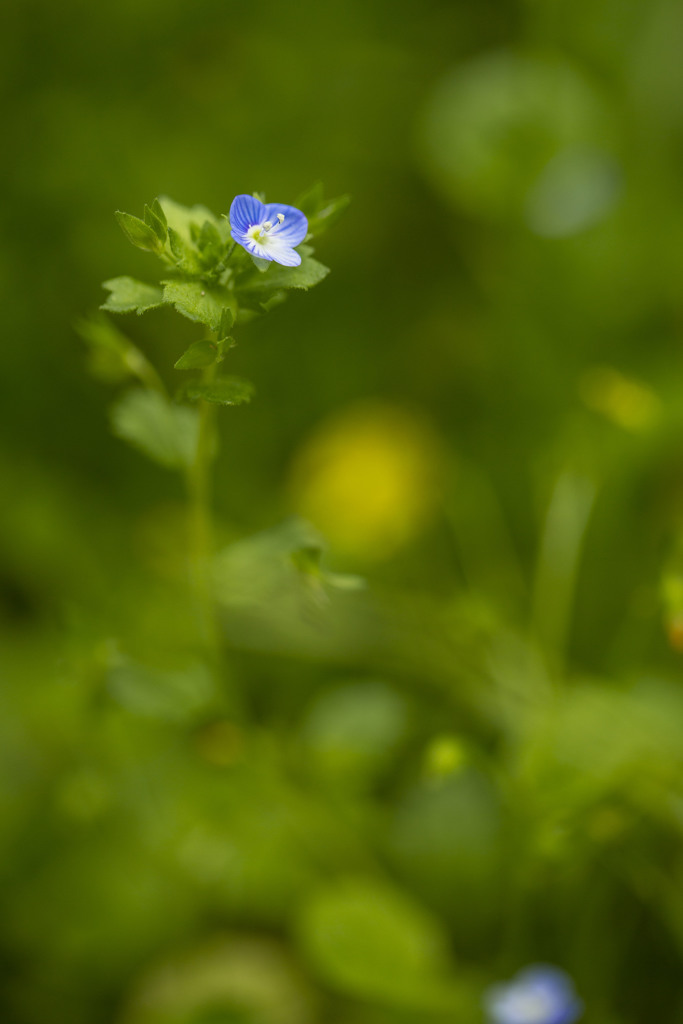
x,y
155,218
223,391
184,252
128,295
139,233
108,349
198,302
181,218
165,432
209,236
371,941
113,356
310,201
168,695
327,215
305,276
276,299
198,356
158,211
261,265
321,212
227,320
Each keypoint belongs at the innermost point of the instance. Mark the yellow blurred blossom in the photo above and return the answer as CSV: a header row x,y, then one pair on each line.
x,y
367,478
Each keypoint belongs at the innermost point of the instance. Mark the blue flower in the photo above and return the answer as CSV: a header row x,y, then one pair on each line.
x,y
268,230
537,995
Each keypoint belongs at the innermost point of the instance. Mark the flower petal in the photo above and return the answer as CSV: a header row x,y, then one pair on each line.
x,y
245,211
294,227
255,248
282,253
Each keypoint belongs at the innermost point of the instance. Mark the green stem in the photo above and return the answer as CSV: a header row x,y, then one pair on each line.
x,y
201,526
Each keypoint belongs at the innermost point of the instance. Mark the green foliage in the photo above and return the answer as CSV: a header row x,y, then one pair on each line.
x,y
305,276
198,356
165,432
490,730
322,213
223,391
128,295
167,695
156,219
352,732
198,302
187,259
113,356
142,235
227,320
373,942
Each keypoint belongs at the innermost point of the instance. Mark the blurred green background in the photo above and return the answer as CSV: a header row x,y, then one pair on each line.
x,y
395,796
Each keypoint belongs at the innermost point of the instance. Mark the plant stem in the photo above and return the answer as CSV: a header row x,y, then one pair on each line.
x,y
201,526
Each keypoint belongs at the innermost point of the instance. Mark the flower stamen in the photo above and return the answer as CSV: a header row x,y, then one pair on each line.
x,y
259,232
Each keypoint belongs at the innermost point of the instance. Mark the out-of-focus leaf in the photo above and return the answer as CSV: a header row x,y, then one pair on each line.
x,y
321,212
236,979
351,731
371,941
227,321
112,356
445,838
165,432
173,696
223,391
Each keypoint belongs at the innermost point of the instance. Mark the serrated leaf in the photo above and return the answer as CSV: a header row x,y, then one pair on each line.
x,y
161,430
139,233
305,276
223,391
156,220
198,356
130,296
198,302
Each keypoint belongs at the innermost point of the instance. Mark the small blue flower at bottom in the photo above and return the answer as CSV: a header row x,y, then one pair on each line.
x,y
268,230
538,995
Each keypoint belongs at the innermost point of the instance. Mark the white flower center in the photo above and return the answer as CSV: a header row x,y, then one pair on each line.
x,y
259,232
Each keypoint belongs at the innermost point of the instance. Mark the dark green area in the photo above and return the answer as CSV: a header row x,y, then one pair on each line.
x,y
392,795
